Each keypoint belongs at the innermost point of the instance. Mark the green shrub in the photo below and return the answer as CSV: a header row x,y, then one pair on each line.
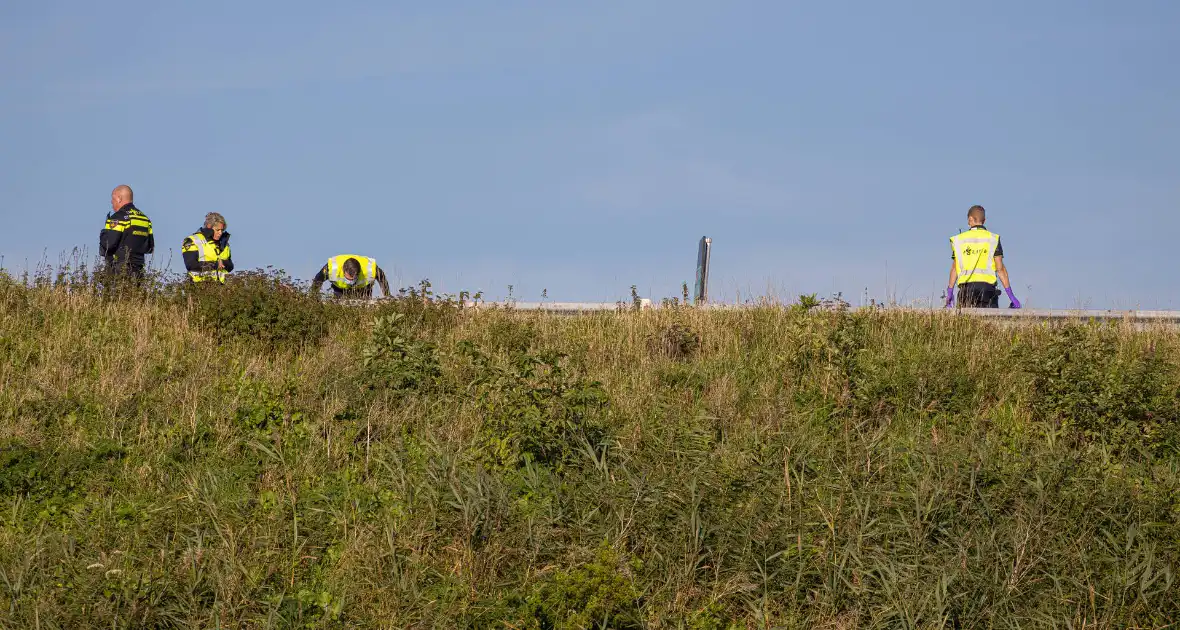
x,y
1104,387
825,353
41,473
264,409
263,307
423,310
510,335
534,410
598,594
393,362
58,482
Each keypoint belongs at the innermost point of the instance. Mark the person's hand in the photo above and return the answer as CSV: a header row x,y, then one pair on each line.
x,y
950,297
1012,298
221,264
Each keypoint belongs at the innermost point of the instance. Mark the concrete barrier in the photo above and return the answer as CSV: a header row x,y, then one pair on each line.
x,y
1005,314
1169,317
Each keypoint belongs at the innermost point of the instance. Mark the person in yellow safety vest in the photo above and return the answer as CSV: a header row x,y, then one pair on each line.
x,y
977,262
351,277
206,252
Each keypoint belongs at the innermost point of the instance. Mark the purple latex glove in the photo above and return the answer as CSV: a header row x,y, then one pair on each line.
x,y
1012,297
950,297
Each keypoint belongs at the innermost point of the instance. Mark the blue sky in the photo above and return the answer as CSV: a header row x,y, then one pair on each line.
x,y
585,147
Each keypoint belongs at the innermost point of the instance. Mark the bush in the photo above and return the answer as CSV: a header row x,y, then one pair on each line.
x,y
509,334
1101,386
393,362
423,310
263,307
825,354
533,410
59,482
598,594
263,409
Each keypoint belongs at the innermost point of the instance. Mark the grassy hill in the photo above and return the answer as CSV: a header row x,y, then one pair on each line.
x,y
249,458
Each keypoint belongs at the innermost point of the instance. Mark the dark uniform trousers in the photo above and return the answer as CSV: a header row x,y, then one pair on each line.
x,y
978,295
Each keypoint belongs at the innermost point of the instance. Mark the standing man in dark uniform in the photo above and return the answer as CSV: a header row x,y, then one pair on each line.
x,y
127,237
977,261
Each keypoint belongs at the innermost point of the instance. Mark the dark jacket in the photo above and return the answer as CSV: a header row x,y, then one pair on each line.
x,y
126,239
192,258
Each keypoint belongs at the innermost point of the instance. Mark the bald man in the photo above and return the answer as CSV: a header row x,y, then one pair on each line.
x,y
127,236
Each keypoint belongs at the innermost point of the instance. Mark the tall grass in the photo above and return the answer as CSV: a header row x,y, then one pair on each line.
x,y
249,458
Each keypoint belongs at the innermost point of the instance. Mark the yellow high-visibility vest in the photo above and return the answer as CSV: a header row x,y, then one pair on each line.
x,y
207,251
975,255
367,276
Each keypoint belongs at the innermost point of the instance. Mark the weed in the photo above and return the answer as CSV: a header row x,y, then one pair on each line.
x,y
534,411
677,341
393,362
600,593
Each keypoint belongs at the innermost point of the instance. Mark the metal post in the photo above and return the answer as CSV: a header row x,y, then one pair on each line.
x,y
701,293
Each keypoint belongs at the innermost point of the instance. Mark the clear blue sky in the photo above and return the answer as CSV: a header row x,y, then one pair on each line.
x,y
582,147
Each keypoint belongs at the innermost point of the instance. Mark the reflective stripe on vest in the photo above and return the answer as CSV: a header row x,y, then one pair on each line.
x,y
139,223
206,252
975,256
336,272
136,222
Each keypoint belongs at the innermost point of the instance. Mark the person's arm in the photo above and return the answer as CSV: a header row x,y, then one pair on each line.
x,y
383,282
111,236
953,280
1002,273
192,258
1001,270
317,283
151,243
226,263
950,283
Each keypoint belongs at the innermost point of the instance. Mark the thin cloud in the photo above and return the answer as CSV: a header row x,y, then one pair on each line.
x,y
387,43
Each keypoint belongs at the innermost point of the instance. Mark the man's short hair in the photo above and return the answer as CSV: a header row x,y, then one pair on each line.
x,y
352,267
214,219
977,213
